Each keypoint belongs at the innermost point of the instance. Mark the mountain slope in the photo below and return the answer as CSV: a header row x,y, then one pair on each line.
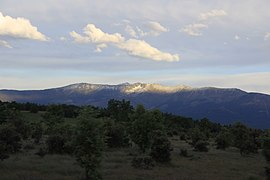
x,y
220,105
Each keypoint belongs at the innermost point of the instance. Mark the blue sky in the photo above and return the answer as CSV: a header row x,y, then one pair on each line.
x,y
196,43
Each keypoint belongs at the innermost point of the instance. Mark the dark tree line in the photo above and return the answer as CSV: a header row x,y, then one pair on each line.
x,y
120,125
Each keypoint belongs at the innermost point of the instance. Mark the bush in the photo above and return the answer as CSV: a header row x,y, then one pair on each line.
x,y
197,135
10,141
9,138
161,147
201,146
143,162
223,140
183,137
116,135
55,144
29,146
37,132
184,153
41,152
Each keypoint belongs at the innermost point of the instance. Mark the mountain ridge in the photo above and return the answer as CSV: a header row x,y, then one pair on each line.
x,y
223,105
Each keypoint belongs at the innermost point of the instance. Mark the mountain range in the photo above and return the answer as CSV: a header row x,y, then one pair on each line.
x,y
224,106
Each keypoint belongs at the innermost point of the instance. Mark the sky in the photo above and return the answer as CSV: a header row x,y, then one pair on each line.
x,y
52,43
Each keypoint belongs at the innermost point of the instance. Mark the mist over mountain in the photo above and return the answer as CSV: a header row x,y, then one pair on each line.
x,y
219,105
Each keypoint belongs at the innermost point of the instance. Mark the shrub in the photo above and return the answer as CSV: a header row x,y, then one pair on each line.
x,y
201,146
55,144
197,135
184,153
143,162
223,140
37,132
183,137
28,146
116,135
10,141
161,147
41,152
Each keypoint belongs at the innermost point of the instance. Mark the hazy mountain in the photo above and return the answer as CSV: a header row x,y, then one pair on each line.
x,y
219,105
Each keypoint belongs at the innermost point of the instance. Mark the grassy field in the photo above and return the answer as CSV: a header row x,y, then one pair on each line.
x,y
116,165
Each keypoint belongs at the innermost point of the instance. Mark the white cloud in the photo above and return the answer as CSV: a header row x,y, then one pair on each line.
x,y
156,28
134,47
194,29
92,34
99,47
5,44
142,49
131,31
236,37
267,36
62,38
19,28
141,32
212,13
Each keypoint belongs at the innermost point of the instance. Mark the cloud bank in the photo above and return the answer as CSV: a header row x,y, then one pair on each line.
x,y
134,47
19,28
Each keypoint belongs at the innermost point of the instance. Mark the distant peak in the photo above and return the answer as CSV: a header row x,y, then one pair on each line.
x,y
124,84
126,88
140,87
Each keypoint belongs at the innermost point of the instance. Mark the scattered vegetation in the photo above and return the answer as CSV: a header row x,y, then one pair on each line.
x,y
144,140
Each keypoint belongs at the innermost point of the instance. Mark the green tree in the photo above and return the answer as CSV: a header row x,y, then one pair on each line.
x,y
161,147
53,117
266,153
119,110
223,140
89,143
242,139
197,135
116,134
37,131
10,140
60,139
144,124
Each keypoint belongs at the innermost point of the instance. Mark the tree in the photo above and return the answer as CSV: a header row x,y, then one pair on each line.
x,y
119,110
116,134
37,131
10,141
266,153
20,124
54,116
201,146
223,140
89,143
197,135
60,139
144,124
242,139
161,147
55,144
